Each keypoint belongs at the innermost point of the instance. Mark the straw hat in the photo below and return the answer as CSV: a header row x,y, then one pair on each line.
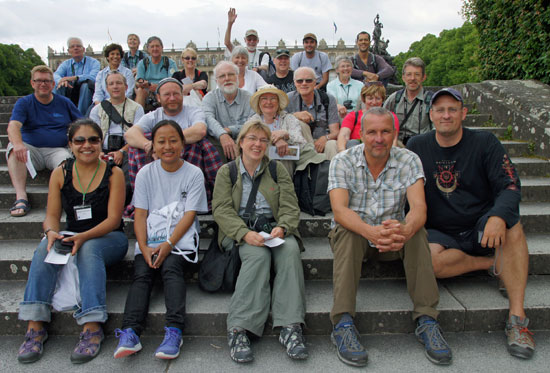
x,y
268,88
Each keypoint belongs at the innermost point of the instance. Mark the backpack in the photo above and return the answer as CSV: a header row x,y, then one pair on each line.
x,y
164,61
374,63
311,186
233,171
126,57
324,101
427,99
270,66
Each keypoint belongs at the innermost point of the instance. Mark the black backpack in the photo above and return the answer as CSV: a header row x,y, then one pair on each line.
x,y
311,186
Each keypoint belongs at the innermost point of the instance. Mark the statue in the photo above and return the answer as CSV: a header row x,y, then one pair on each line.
x,y
379,46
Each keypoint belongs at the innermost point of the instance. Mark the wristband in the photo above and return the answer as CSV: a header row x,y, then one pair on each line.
x,y
46,232
171,244
327,138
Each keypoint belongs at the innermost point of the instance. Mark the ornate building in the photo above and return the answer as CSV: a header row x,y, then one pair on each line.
x,y
208,57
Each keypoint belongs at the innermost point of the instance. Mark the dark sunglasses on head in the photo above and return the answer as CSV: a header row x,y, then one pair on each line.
x,y
369,84
187,58
80,140
300,81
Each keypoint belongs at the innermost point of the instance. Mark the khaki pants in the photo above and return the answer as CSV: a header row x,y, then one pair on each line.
x,y
331,148
251,301
350,249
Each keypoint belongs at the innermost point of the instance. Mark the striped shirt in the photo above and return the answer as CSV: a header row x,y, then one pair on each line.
x,y
381,199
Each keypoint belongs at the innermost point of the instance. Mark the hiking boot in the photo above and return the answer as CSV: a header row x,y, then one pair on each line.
x,y
33,346
291,337
128,344
170,346
520,340
239,344
429,334
346,339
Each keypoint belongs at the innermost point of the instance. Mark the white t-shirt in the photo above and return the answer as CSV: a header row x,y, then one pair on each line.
x,y
186,118
156,188
320,63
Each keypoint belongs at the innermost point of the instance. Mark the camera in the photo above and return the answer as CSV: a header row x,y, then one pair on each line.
x,y
260,224
62,247
348,104
114,142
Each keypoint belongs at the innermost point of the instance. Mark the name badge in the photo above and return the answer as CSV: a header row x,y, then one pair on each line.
x,y
83,212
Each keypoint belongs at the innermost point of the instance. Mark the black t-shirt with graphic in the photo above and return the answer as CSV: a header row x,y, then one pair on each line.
x,y
285,84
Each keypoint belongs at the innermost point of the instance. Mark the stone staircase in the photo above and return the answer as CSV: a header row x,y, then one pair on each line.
x,y
468,304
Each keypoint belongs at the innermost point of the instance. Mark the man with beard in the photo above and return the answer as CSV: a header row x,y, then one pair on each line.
x,y
226,109
198,150
369,67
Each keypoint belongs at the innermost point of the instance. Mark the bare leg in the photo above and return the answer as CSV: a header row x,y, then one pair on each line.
x,y
18,175
36,325
93,327
515,263
454,262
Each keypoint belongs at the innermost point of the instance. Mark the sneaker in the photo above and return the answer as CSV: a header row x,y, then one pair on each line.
x,y
85,349
520,340
170,346
346,339
428,332
33,346
239,344
291,337
128,344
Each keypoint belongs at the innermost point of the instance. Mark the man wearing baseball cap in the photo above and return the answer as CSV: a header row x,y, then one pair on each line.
x,y
311,57
251,40
283,78
473,193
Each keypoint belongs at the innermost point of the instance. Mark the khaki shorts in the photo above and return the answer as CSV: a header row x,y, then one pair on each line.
x,y
42,158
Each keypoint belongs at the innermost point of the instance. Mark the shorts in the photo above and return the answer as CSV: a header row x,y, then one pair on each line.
x,y
42,158
468,241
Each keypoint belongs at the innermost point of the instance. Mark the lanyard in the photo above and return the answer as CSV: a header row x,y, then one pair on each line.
x,y
74,63
80,185
345,91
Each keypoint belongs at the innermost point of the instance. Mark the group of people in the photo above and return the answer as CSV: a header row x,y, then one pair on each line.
x,y
180,160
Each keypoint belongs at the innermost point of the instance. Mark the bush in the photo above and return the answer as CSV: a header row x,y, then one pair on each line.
x,y
15,68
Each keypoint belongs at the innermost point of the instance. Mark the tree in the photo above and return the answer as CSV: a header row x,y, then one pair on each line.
x,y
451,58
514,37
15,67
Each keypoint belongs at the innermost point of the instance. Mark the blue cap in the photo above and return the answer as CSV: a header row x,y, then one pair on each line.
x,y
447,91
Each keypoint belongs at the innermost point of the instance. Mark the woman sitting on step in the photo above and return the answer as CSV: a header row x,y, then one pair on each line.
x,y
168,195
91,193
251,198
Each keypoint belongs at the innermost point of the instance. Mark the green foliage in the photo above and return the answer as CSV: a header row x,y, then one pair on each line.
x,y
451,58
514,37
15,67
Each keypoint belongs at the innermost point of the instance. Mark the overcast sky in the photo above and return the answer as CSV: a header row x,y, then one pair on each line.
x,y
41,23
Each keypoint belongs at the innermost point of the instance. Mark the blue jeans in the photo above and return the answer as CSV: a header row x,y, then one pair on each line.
x,y
85,95
91,259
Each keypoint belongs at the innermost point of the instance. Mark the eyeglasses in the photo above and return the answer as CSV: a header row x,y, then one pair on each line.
x,y
307,81
187,58
80,140
226,76
270,99
377,83
42,81
253,138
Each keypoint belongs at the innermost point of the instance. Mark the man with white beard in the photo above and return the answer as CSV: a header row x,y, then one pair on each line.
x,y
226,109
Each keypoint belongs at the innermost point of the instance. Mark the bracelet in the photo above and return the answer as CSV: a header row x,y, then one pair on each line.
x,y
171,244
327,138
46,232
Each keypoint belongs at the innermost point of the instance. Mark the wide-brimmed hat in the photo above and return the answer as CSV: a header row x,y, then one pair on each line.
x,y
268,88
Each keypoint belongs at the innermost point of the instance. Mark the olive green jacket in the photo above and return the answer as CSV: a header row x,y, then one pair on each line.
x,y
280,196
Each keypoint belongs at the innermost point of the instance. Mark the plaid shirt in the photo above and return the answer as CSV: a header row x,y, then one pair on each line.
x,y
201,154
381,199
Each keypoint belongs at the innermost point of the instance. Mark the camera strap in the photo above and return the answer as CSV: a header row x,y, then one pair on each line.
x,y
252,197
114,115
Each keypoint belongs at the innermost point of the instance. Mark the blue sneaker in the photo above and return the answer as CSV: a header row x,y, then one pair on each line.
x,y
128,344
429,334
346,339
170,346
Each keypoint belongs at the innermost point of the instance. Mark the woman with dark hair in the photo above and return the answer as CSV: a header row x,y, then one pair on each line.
x,y
189,76
243,217
91,193
113,54
168,195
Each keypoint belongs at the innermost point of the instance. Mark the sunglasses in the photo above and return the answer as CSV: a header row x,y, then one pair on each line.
x,y
187,58
80,140
377,83
300,81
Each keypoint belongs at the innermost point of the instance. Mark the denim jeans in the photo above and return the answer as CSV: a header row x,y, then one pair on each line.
x,y
137,301
85,95
91,259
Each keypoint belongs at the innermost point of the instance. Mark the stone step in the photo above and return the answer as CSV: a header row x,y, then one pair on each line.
x,y
9,99
535,217
477,120
472,352
383,306
16,256
42,177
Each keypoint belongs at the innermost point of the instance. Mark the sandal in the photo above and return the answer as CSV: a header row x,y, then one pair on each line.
x,y
85,350
33,346
26,207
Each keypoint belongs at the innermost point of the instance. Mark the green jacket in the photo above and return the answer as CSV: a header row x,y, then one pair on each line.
x,y
280,196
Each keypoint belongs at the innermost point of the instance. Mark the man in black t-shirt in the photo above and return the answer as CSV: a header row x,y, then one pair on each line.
x,y
283,77
473,194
